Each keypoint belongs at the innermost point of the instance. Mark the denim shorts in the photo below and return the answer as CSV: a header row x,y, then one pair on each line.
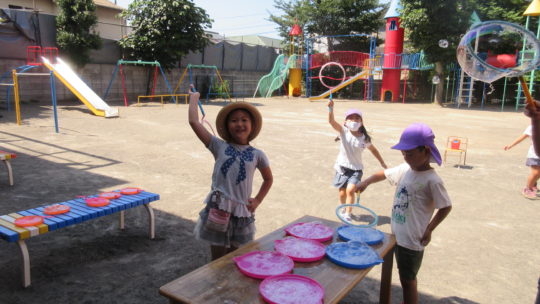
x,y
533,162
408,262
349,176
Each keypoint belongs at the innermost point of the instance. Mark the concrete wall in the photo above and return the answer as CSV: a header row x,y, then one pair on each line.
x,y
98,77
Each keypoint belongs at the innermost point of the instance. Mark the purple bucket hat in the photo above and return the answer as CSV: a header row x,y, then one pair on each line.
x,y
418,134
351,112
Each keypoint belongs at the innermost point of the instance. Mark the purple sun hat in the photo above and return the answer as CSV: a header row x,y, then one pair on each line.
x,y
351,112
419,134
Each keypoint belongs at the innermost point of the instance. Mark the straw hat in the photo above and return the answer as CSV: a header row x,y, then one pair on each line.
x,y
221,120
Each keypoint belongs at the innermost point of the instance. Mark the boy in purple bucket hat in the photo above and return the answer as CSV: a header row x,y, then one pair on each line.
x,y
419,191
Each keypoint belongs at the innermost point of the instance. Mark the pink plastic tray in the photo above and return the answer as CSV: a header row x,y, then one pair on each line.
x,y
262,264
291,289
300,250
313,231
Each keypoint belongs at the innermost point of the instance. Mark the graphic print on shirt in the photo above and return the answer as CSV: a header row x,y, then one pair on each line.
x,y
243,156
401,206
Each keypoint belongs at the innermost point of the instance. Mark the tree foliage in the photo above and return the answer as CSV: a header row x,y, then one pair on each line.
x,y
507,10
428,22
164,30
330,18
75,33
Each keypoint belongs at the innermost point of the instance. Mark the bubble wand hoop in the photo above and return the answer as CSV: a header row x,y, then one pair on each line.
x,y
356,208
485,53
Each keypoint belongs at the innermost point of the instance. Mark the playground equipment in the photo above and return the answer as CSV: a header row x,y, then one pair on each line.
x,y
275,79
78,87
393,47
120,63
340,86
215,72
284,67
295,72
532,10
33,61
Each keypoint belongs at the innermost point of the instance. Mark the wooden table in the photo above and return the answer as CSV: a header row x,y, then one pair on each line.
x,y
221,282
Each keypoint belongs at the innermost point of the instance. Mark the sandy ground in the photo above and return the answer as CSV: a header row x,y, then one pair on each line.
x,y
486,251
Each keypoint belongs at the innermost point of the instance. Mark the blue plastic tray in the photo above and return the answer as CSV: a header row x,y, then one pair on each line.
x,y
353,254
369,236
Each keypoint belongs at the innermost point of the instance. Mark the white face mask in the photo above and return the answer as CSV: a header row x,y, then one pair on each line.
x,y
353,125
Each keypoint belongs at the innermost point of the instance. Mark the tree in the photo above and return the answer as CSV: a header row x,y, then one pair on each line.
x,y
75,29
428,22
330,18
164,30
507,10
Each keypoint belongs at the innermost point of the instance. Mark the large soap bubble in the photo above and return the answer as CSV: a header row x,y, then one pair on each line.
x,y
495,49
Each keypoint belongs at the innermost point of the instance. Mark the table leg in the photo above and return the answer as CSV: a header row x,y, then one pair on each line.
x,y
122,221
10,171
385,295
151,221
25,266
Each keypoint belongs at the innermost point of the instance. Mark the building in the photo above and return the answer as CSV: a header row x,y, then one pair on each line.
x,y
110,24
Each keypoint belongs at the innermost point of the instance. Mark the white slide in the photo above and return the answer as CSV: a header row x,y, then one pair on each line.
x,y
78,87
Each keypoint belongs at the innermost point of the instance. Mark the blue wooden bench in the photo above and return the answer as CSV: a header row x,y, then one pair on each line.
x,y
79,212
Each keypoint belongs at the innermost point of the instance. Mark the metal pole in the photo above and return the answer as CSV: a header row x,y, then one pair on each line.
x,y
16,94
53,97
123,86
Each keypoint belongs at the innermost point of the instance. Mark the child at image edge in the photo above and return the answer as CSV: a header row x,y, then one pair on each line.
x,y
229,205
349,167
532,161
419,192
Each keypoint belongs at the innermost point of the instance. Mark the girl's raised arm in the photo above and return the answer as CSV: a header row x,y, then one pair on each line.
x,y
193,117
331,118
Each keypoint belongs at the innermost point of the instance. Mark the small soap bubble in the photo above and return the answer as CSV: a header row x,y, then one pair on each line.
x,y
443,43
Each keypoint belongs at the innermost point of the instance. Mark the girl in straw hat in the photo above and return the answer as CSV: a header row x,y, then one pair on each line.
x,y
227,220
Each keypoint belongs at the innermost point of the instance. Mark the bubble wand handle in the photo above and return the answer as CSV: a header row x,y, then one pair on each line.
x,y
192,88
530,100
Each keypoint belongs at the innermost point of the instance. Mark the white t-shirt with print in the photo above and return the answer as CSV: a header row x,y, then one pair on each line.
x,y
418,194
350,150
531,153
234,169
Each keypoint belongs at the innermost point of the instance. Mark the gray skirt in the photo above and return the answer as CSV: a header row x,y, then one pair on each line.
x,y
532,162
349,176
240,231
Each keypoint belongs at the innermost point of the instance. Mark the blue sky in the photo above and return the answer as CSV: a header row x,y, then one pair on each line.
x,y
237,17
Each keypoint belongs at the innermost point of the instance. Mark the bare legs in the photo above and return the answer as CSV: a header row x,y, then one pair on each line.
x,y
533,177
410,291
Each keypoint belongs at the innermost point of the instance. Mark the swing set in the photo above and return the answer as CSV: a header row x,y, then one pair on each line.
x,y
214,70
157,67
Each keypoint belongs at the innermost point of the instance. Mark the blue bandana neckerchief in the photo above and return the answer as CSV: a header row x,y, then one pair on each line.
x,y
246,155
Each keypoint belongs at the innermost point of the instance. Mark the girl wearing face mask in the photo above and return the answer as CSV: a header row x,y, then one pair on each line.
x,y
349,167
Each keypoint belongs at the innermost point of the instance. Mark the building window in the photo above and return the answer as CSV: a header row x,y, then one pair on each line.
x,y
393,26
11,6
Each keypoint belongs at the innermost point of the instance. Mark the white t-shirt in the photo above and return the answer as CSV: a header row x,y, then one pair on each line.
x,y
350,150
418,194
530,153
